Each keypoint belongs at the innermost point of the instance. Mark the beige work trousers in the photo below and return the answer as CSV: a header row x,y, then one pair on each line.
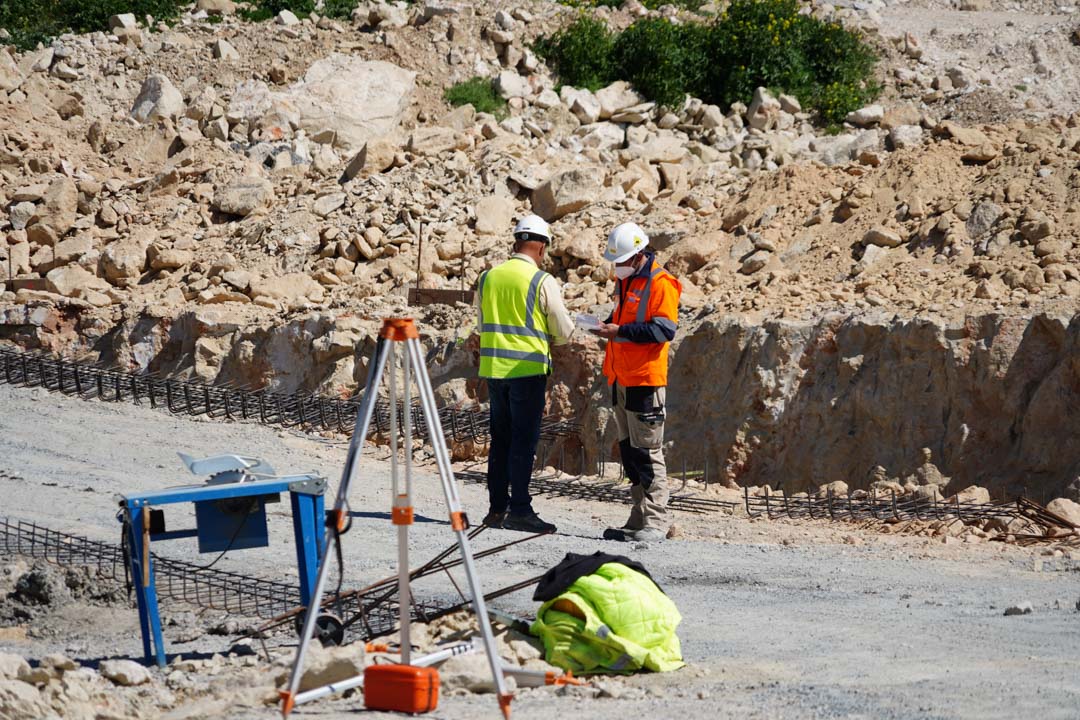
x,y
641,438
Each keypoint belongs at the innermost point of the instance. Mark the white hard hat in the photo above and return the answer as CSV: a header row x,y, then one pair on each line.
x,y
532,227
624,242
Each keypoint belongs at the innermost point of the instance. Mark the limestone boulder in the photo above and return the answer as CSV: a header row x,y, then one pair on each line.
x,y
882,237
508,84
330,665
216,7
692,253
377,155
22,700
973,494
1067,509
435,140
494,215
288,291
243,196
963,135
74,281
59,207
10,76
168,258
585,247
124,261
359,100
566,192
158,99
764,110
12,666
582,103
905,136
68,251
867,116
124,672
617,96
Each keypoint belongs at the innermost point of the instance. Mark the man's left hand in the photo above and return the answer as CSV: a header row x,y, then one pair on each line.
x,y
606,330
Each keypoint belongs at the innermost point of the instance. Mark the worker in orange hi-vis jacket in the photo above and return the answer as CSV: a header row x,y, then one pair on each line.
x,y
639,332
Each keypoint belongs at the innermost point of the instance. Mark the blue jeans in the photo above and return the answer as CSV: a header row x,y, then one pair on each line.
x,y
517,406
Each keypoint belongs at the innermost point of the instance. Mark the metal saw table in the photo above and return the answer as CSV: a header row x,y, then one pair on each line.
x,y
230,515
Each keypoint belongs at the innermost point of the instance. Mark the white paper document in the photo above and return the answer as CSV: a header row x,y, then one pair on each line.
x,y
587,322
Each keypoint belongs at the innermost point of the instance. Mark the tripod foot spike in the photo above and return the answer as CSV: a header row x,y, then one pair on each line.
x,y
504,705
288,700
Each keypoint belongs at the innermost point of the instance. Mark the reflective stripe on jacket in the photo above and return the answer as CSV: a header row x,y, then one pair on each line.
x,y
514,328
615,620
651,295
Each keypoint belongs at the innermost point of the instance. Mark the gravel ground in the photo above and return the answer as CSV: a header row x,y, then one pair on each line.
x,y
780,620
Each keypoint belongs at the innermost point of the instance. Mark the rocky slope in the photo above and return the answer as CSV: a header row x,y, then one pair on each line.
x,y
226,199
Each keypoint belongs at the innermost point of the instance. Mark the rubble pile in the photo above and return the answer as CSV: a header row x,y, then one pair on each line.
x,y
244,201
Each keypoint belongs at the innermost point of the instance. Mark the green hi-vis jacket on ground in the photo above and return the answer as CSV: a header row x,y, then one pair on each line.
x,y
615,620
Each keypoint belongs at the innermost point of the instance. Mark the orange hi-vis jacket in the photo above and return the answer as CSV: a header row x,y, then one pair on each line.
x,y
651,297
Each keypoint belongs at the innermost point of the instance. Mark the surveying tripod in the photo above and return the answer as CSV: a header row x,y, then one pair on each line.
x,y
395,332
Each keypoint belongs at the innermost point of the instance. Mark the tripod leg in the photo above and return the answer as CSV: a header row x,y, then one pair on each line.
x,y
404,500
336,519
457,521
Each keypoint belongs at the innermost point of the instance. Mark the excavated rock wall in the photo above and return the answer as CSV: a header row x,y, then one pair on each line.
x,y
799,405
785,403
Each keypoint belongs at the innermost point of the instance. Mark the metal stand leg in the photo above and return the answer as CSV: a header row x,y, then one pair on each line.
x,y
142,573
307,512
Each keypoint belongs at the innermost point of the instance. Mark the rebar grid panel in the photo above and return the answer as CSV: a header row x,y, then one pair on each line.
x,y
191,397
890,507
355,607
606,492
176,580
369,612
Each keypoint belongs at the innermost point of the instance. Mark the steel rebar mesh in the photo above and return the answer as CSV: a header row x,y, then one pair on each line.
x,y
192,397
175,579
891,507
605,492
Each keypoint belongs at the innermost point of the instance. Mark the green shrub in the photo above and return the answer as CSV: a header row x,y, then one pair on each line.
x,y
581,54
300,8
339,8
663,61
755,43
34,21
479,93
650,4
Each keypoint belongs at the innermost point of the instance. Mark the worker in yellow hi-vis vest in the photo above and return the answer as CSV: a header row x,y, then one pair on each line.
x,y
521,315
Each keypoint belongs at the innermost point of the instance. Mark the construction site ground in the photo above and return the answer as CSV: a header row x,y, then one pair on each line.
x,y
781,619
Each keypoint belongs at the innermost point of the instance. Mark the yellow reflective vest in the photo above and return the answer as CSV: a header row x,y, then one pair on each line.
x,y
615,620
514,329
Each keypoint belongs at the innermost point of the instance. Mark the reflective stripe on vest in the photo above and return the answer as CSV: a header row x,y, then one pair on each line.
x,y
513,335
643,303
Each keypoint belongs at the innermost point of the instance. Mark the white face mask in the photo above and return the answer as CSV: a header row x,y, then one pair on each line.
x,y
623,272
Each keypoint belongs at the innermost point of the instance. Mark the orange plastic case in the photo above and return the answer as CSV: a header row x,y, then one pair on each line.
x,y
401,688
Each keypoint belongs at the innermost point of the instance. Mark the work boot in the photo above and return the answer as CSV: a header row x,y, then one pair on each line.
x,y
648,534
527,523
494,519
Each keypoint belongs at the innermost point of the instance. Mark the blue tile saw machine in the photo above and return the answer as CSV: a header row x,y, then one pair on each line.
x,y
230,514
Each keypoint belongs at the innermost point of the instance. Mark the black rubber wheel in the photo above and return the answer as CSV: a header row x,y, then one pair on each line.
x,y
329,630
